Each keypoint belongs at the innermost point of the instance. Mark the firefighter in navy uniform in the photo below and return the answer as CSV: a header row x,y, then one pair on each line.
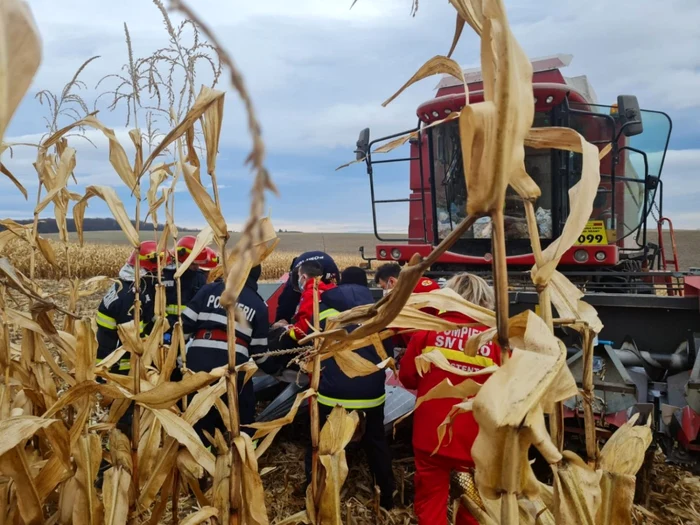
x,y
117,306
204,320
190,281
291,295
364,394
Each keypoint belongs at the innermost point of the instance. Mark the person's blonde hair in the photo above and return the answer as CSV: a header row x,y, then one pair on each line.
x,y
472,288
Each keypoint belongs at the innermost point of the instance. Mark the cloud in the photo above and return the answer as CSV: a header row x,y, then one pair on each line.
x,y
318,73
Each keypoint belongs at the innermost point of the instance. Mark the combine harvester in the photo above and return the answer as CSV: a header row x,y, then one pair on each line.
x,y
646,359
647,355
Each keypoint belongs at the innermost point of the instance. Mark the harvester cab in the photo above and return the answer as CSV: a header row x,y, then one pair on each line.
x,y
632,142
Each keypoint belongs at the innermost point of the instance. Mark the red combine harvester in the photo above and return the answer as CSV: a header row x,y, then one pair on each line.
x,y
647,355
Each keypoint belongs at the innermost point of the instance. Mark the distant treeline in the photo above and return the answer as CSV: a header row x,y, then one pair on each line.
x,y
90,225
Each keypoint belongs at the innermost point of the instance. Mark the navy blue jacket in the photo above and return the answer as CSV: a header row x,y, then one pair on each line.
x,y
209,350
334,383
204,312
117,307
289,298
190,283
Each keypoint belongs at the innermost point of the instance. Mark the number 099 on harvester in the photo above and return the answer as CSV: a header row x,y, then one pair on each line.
x,y
594,233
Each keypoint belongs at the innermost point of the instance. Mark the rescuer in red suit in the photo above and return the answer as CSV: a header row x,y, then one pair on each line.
x,y
435,464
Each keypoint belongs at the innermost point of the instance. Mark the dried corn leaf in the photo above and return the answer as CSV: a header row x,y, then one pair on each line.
x,y
206,204
9,175
188,465
577,494
200,516
115,495
581,195
120,450
437,64
159,474
20,52
65,168
206,98
178,429
567,299
617,499
14,464
88,454
471,12
354,365
269,429
425,361
335,435
446,390
17,430
116,206
448,300
211,127
204,239
253,511
624,452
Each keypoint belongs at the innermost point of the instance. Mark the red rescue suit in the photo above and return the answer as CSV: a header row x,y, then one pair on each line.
x,y
432,481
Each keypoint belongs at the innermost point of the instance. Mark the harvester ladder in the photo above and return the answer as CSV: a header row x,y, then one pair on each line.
x,y
663,260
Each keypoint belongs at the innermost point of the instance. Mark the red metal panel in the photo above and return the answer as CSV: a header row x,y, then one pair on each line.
x,y
274,299
553,76
407,251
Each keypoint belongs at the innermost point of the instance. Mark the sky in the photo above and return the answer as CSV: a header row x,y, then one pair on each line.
x,y
318,73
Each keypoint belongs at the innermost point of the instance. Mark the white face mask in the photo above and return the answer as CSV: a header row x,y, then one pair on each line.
x,y
385,292
302,284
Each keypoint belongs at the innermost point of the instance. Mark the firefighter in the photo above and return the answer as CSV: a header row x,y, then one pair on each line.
x,y
434,465
205,321
364,394
354,275
117,306
290,296
388,275
190,281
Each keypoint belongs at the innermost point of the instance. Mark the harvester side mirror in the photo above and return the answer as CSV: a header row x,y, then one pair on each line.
x,y
362,145
630,115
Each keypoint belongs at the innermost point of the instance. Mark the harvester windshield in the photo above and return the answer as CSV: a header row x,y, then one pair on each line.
x,y
627,188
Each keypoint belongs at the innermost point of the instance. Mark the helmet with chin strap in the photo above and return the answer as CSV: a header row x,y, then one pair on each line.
x,y
147,254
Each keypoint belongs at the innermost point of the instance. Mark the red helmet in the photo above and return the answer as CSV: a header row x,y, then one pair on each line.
x,y
148,256
212,259
184,247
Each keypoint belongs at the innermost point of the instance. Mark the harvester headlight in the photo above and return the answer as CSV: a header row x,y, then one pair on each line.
x,y
426,116
396,253
580,256
448,111
600,256
550,99
436,114
382,254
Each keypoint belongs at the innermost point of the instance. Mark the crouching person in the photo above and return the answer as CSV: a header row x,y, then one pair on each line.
x,y
364,394
434,465
205,321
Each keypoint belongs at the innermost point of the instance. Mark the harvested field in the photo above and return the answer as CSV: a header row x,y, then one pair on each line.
x,y
289,242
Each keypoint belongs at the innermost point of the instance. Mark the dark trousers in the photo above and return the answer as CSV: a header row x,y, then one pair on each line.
x,y
204,360
376,448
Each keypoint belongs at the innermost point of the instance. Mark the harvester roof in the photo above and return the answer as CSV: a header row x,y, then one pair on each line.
x,y
545,70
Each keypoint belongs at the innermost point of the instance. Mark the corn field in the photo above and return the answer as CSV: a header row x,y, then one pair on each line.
x,y
93,260
58,409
